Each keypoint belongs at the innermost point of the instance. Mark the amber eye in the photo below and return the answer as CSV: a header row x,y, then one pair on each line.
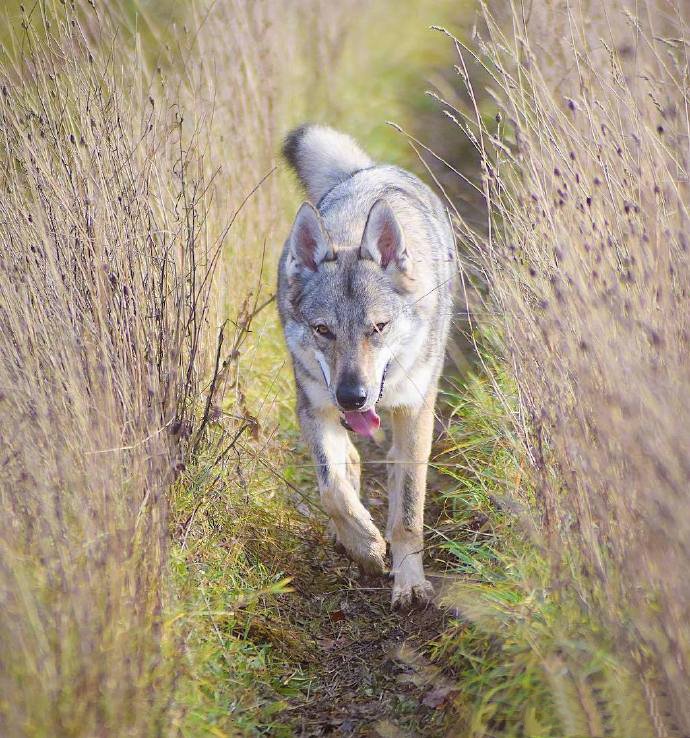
x,y
322,330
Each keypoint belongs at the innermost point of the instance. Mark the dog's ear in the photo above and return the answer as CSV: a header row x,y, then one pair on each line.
x,y
382,240
308,243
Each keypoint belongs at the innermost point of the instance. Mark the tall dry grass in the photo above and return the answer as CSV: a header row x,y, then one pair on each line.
x,y
137,211
106,282
585,177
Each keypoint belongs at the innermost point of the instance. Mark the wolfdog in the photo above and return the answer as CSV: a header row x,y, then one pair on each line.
x,y
365,296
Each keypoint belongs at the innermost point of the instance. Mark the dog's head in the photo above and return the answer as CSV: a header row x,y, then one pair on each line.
x,y
354,305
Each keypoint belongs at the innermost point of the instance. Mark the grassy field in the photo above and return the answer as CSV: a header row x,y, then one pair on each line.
x,y
164,564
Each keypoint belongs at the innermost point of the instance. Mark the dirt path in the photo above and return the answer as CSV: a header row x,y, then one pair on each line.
x,y
370,669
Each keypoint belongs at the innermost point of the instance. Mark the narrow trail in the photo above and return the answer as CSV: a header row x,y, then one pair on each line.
x,y
370,670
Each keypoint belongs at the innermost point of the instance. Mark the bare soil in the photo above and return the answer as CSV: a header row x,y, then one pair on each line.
x,y
370,667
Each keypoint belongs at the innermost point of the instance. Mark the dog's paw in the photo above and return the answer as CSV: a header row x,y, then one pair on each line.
x,y
368,553
372,561
366,548
407,596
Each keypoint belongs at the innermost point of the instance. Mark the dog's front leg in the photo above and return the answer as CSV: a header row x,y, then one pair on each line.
x,y
408,459
332,449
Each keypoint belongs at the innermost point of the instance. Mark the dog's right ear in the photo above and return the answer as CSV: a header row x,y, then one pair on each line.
x,y
382,240
308,244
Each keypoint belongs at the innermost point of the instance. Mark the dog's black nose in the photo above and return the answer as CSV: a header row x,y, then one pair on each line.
x,y
351,395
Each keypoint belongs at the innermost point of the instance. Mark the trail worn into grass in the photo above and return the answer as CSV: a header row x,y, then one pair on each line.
x,y
369,668
282,635
324,656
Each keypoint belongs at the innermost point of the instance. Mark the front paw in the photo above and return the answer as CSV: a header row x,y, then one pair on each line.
x,y
368,550
369,554
408,595
372,560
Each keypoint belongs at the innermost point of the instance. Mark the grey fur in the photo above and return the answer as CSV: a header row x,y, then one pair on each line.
x,y
322,157
407,502
378,249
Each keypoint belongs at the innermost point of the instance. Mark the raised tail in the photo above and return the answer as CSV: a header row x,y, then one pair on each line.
x,y
322,158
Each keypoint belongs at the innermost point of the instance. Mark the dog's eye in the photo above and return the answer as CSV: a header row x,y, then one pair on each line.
x,y
323,330
380,327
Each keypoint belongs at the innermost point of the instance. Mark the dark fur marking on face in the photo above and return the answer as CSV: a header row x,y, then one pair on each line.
x,y
349,291
383,379
303,367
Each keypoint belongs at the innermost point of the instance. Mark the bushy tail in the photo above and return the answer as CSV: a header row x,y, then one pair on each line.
x,y
322,157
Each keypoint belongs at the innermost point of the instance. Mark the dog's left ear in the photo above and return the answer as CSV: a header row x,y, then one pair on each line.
x,y
382,240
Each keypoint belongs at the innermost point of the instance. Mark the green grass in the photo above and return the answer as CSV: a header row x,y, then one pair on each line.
x,y
229,573
499,596
235,534
528,656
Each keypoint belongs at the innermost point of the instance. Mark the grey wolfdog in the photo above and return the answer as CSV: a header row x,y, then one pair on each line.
x,y
365,296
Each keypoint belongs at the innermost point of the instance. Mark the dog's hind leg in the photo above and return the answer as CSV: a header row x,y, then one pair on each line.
x,y
331,449
408,459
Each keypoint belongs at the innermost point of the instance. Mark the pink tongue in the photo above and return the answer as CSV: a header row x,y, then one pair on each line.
x,y
363,423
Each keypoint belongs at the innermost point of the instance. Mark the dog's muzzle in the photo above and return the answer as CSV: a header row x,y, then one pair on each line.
x,y
368,422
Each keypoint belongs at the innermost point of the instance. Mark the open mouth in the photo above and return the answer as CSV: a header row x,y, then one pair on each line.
x,y
364,423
